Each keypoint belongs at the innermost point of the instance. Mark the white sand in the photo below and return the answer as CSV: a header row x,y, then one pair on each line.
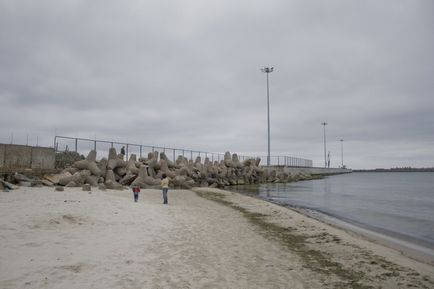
x,y
74,239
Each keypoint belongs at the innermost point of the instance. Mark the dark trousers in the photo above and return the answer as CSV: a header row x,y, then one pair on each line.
x,y
136,196
165,195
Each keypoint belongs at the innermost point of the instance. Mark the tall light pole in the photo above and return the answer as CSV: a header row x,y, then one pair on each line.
x,y
268,70
342,152
325,149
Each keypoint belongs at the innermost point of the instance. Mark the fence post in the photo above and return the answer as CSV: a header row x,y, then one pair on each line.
x,y
140,150
126,152
54,146
174,155
76,143
94,145
191,155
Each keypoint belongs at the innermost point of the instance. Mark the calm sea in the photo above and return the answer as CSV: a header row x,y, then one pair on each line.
x,y
396,204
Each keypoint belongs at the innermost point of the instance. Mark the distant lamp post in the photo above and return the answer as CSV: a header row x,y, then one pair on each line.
x,y
268,70
342,153
325,147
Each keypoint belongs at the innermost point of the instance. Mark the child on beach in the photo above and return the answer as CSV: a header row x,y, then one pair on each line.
x,y
165,186
136,191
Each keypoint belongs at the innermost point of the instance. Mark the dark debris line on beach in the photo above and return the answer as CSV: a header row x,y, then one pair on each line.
x,y
321,262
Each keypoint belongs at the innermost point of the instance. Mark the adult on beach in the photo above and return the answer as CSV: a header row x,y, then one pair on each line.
x,y
165,186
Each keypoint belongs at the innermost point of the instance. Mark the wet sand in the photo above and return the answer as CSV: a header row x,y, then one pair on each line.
x,y
409,248
204,239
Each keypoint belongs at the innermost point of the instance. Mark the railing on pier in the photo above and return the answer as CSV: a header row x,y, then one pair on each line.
x,y
84,145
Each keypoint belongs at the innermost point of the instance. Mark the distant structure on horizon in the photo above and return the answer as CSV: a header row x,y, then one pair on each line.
x,y
402,169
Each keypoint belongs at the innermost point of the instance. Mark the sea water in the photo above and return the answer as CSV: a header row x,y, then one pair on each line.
x,y
398,204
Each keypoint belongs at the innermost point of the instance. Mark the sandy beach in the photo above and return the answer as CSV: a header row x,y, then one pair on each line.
x,y
205,238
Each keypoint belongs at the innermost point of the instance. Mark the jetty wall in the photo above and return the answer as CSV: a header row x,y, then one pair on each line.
x,y
311,171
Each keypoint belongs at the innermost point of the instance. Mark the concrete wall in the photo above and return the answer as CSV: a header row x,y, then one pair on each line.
x,y
311,171
2,154
26,157
43,158
18,156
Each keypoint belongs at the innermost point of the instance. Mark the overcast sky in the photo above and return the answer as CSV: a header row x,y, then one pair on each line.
x,y
187,74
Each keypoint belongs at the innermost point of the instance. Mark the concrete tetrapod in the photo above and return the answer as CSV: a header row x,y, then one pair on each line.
x,y
88,164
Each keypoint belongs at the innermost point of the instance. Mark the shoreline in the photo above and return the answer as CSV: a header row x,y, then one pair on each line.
x,y
204,238
336,235
412,248
408,248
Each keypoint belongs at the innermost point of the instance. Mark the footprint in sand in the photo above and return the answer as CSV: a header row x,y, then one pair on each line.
x,y
75,268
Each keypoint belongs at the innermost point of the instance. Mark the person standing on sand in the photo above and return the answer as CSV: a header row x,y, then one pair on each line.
x,y
165,186
136,191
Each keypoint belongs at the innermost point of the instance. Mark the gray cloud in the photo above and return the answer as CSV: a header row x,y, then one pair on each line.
x,y
186,73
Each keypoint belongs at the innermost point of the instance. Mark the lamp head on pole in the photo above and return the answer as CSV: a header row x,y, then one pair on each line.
x,y
267,69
